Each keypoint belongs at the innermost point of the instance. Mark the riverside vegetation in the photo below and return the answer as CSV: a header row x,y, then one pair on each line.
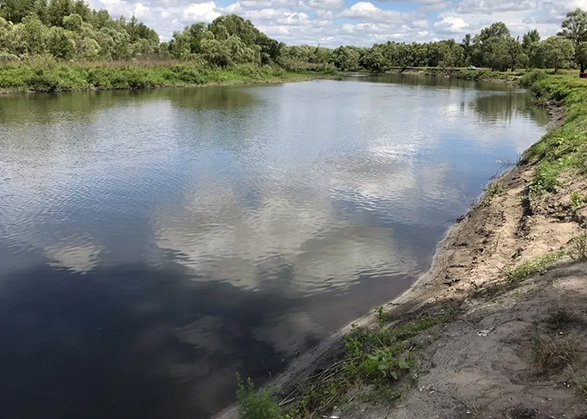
x,y
60,45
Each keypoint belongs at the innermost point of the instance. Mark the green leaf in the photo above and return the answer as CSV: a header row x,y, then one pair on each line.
x,y
394,374
404,365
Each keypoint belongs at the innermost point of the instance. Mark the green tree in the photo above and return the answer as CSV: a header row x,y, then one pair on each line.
x,y
16,10
574,27
61,43
515,53
581,54
57,10
496,54
558,52
496,30
467,45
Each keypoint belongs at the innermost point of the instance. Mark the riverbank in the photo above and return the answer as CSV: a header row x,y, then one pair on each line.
x,y
513,77
53,77
497,327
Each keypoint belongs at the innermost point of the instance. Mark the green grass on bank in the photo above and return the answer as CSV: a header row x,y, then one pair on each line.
x,y
564,149
55,77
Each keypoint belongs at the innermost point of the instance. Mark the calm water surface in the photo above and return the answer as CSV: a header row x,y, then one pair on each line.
x,y
154,243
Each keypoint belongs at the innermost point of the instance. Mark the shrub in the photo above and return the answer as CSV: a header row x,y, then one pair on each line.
x,y
255,405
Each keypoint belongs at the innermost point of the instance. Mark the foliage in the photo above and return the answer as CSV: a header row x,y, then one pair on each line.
x,y
533,266
69,30
50,76
493,189
558,52
255,404
577,201
376,358
578,248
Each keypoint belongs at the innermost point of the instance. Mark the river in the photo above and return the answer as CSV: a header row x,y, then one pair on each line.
x,y
155,243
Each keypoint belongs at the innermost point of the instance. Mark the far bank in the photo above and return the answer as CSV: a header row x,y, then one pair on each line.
x,y
51,77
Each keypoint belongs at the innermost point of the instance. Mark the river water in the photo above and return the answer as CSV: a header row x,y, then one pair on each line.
x,y
154,243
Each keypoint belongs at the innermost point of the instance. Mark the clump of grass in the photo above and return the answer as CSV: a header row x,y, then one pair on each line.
x,y
551,353
374,358
255,404
578,201
533,266
382,316
578,248
517,274
581,384
493,189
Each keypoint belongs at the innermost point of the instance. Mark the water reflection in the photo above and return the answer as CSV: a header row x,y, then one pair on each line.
x,y
154,243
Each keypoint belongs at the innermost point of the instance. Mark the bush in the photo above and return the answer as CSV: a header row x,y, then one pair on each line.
x,y
255,405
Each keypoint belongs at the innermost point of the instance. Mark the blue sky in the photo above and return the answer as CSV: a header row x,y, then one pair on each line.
x,y
353,22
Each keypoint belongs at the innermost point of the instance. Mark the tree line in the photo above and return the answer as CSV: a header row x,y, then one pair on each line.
x,y
69,30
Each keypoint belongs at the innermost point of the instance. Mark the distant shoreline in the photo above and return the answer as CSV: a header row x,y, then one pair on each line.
x,y
22,78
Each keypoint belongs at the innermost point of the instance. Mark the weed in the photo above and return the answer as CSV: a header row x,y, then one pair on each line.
x,y
578,201
533,266
581,384
374,358
382,317
253,404
493,189
550,353
578,248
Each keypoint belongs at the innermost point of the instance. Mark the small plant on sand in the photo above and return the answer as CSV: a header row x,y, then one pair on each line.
x,y
255,404
382,316
533,266
578,248
578,201
551,353
376,360
493,189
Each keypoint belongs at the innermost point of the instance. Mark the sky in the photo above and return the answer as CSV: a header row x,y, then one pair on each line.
x,y
333,23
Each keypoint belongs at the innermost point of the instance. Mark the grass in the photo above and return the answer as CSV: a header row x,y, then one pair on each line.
x,y
564,149
255,404
531,267
550,353
494,189
375,359
578,248
578,201
521,271
50,76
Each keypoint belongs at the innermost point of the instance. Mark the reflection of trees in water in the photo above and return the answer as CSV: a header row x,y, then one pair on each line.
x,y
51,108
131,342
506,106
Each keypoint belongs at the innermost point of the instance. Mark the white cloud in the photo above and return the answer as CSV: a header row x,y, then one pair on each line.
x,y
367,12
202,12
495,6
450,25
326,21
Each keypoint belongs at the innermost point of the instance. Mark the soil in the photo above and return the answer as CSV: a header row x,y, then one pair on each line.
x,y
486,363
